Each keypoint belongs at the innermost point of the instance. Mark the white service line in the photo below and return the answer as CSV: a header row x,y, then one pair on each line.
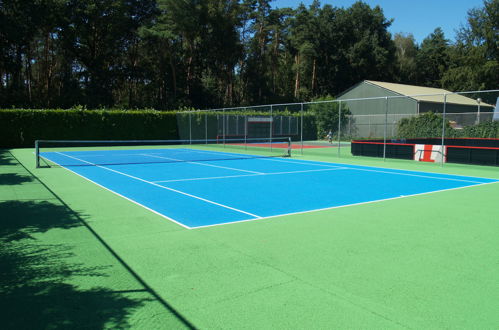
x,y
202,164
163,187
246,175
342,206
304,162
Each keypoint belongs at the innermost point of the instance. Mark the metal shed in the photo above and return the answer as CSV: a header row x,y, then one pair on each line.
x,y
369,115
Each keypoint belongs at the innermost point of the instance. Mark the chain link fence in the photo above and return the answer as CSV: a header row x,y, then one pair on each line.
x,y
336,123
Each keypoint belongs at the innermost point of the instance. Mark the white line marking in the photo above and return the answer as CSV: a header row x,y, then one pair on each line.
x,y
118,194
202,164
163,187
366,169
341,206
277,215
246,175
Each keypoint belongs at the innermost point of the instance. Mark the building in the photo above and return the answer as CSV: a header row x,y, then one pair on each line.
x,y
406,101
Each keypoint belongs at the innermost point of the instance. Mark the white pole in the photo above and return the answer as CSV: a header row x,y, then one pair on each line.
x,y
339,128
478,114
301,128
386,122
443,130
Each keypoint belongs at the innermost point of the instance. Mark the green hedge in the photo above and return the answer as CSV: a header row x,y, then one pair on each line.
x,y
429,125
487,129
20,128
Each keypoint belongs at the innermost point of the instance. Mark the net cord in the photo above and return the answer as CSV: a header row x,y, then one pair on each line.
x,y
39,143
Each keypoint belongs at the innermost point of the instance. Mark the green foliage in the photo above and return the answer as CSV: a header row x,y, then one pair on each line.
x,y
406,51
427,125
20,128
326,115
432,59
166,54
487,129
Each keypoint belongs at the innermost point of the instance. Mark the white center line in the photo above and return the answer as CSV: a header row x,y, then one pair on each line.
x,y
247,175
202,164
163,187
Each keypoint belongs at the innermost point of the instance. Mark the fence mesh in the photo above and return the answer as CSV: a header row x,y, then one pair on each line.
x,y
335,124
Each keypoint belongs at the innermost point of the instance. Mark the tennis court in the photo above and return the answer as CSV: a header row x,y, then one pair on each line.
x,y
197,188
98,236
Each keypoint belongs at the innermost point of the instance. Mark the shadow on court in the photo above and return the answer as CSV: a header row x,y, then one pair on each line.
x,y
22,219
33,289
6,158
34,294
12,179
35,278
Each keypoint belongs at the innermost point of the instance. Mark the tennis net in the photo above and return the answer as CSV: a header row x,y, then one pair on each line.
x,y
115,152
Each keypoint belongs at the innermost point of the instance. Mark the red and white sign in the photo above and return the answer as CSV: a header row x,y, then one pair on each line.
x,y
429,153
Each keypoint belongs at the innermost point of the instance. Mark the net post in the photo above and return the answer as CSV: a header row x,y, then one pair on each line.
x,y
223,126
384,134
206,127
270,127
190,128
289,147
339,129
246,129
37,154
301,128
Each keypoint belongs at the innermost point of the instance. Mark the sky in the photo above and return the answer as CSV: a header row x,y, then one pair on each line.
x,y
419,17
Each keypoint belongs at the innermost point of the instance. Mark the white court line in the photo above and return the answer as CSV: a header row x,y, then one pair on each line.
x,y
246,175
390,172
163,187
268,217
341,206
202,164
120,195
302,162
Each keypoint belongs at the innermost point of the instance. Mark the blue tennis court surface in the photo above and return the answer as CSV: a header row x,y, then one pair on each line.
x,y
179,185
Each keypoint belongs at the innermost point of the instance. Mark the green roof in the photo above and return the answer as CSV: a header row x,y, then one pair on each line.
x,y
426,94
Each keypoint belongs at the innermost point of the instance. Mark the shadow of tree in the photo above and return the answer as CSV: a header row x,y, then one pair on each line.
x,y
6,158
35,289
35,281
34,294
20,219
12,179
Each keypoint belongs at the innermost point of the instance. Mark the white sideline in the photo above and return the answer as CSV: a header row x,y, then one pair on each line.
x,y
305,162
163,187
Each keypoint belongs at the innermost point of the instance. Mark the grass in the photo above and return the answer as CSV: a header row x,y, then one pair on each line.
x,y
76,255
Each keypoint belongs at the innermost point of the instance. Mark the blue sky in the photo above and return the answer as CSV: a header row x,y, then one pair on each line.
x,y
419,17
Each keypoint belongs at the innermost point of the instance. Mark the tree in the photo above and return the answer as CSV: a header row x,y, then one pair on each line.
x,y
475,56
433,59
327,115
97,34
406,53
366,49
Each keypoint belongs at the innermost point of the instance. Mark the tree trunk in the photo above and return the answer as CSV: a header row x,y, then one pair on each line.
x,y
29,76
174,75
314,71
297,77
274,62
